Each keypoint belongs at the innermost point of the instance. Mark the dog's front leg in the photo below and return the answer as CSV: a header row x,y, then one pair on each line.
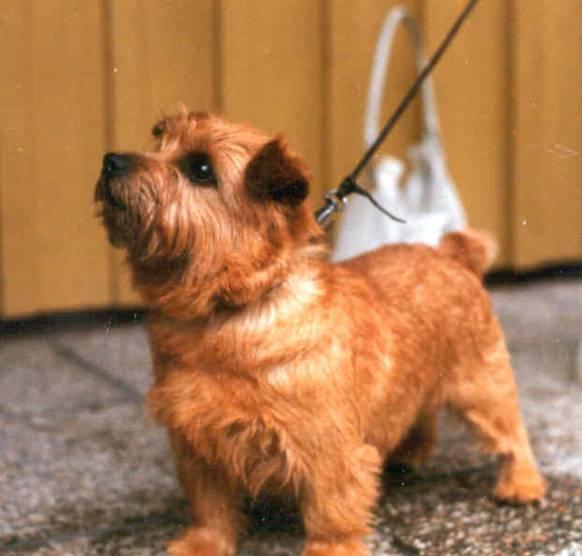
x,y
215,506
338,500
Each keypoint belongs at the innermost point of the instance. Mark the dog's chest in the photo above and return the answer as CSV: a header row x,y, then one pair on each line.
x,y
228,426
249,451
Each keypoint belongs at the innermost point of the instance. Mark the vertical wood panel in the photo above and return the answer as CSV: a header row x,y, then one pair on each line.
x,y
272,71
547,220
354,28
51,139
162,54
473,93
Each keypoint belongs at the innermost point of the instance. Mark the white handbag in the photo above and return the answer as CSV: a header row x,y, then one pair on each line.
x,y
427,198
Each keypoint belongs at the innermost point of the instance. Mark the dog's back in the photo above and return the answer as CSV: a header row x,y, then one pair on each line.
x,y
430,287
472,249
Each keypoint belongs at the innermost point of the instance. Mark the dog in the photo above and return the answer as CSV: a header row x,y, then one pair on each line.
x,y
278,372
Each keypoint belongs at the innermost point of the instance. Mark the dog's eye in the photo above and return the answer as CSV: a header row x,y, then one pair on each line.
x,y
197,169
158,129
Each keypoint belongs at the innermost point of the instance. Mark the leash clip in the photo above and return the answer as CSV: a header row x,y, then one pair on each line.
x,y
333,203
335,199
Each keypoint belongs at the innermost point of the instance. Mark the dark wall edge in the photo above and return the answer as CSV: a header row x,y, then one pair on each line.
x,y
111,317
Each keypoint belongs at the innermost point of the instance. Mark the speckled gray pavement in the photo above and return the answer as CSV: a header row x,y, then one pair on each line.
x,y
83,470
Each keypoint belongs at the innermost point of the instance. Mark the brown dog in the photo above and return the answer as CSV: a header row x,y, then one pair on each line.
x,y
278,372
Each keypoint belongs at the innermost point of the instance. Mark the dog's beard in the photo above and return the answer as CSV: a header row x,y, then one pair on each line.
x,y
127,209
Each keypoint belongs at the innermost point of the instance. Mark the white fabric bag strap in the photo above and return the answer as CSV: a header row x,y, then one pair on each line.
x,y
379,73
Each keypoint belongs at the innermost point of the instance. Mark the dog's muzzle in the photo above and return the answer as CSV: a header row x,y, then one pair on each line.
x,y
115,166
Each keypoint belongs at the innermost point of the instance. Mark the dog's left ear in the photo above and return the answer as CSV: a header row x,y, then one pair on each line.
x,y
274,174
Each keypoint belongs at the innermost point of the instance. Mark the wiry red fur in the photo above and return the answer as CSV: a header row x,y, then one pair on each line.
x,y
278,372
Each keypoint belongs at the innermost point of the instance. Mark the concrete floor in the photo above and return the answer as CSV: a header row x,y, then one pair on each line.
x,y
84,471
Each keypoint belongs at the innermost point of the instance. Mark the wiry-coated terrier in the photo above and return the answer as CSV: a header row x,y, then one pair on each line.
x,y
278,372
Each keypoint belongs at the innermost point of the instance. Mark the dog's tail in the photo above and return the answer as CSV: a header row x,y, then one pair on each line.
x,y
474,249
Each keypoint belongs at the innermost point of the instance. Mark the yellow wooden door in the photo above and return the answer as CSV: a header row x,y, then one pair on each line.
x,y
81,78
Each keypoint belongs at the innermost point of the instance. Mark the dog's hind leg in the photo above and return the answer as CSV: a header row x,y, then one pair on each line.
x,y
484,394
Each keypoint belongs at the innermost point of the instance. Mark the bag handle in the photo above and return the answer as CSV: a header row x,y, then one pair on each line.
x,y
379,74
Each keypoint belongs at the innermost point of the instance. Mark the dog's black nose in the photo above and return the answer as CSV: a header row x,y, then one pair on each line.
x,y
115,164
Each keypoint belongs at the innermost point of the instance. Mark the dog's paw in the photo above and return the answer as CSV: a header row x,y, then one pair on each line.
x,y
347,548
200,541
523,490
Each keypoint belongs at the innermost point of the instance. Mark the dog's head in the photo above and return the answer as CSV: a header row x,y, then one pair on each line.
x,y
217,205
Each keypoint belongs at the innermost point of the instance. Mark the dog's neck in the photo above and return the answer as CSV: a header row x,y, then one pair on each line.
x,y
245,340
189,298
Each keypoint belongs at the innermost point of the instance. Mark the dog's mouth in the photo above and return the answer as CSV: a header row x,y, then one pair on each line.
x,y
112,200
107,197
115,216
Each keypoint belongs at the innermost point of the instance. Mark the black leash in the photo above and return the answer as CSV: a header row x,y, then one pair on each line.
x,y
336,198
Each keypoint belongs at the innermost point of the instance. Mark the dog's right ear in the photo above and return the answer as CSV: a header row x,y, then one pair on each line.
x,y
274,174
